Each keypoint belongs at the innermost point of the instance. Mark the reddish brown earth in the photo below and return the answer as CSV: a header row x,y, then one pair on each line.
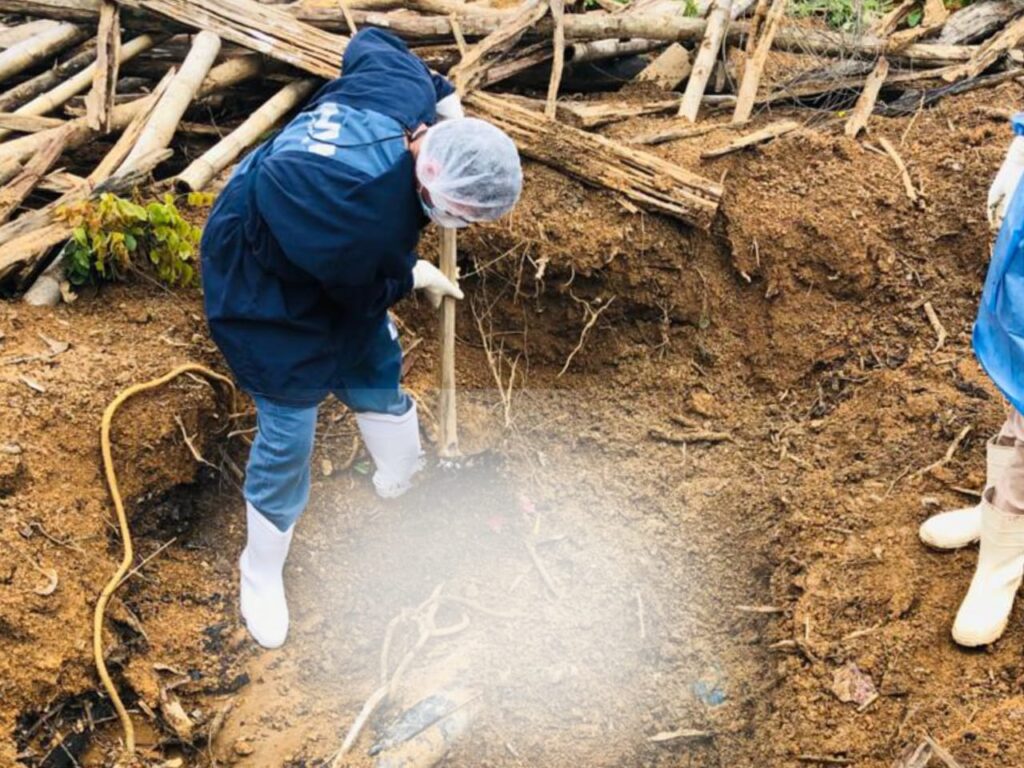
x,y
794,330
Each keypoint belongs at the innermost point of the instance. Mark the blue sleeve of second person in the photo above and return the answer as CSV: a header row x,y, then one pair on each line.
x,y
315,233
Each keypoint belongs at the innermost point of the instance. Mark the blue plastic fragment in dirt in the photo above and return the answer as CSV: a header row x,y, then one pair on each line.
x,y
710,689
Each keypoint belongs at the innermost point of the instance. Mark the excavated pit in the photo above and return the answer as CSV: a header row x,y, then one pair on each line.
x,y
721,487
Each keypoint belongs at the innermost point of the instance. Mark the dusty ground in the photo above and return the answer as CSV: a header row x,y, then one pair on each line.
x,y
794,332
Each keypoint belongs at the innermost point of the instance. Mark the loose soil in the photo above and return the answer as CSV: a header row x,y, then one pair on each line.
x,y
709,587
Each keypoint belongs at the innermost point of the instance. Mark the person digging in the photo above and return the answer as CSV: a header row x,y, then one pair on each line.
x,y
997,521
308,246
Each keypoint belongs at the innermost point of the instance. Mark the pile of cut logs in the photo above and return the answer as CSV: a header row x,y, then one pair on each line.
x,y
101,95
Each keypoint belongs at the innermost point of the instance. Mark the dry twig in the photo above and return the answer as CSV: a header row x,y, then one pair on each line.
x,y
592,315
908,184
191,446
941,753
539,565
940,331
949,453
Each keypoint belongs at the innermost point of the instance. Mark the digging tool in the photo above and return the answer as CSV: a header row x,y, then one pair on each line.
x,y
448,434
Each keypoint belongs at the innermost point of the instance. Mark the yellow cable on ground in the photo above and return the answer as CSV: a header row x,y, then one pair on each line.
x,y
126,536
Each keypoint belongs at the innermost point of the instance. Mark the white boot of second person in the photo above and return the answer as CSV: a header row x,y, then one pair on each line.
x,y
985,611
263,603
394,444
961,527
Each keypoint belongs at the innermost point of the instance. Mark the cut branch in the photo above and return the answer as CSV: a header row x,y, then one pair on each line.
x,y
755,64
27,123
668,69
768,133
182,90
908,184
15,97
39,47
65,91
260,27
230,73
861,113
704,63
100,100
887,24
989,52
15,193
20,149
14,35
977,21
470,72
263,28
688,131
222,154
130,136
558,45
650,182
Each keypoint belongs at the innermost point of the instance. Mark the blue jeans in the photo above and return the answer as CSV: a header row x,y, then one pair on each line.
x,y
277,476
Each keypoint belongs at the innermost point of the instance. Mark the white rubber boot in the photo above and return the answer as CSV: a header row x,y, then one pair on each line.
x,y
961,527
986,609
262,565
394,444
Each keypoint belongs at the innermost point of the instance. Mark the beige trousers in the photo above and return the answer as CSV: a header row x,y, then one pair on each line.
x,y
1008,494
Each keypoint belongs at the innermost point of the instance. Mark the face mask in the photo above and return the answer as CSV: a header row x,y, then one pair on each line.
x,y
441,218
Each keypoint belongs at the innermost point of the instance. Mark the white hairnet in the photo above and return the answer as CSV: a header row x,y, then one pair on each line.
x,y
470,169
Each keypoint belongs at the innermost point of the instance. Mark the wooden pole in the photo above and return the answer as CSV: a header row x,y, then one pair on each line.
x,y
977,21
861,113
14,35
469,73
558,42
19,150
704,63
768,133
10,121
182,90
100,101
644,179
82,57
37,48
231,72
225,152
989,52
755,64
264,28
448,437
22,148
15,193
52,99
130,136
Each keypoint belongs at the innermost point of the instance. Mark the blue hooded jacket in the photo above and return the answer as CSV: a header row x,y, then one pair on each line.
x,y
313,238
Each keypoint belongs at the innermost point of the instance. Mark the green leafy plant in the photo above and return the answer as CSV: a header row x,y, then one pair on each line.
x,y
842,14
112,236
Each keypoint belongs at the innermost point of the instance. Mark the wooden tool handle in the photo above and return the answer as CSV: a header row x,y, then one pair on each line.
x,y
448,437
